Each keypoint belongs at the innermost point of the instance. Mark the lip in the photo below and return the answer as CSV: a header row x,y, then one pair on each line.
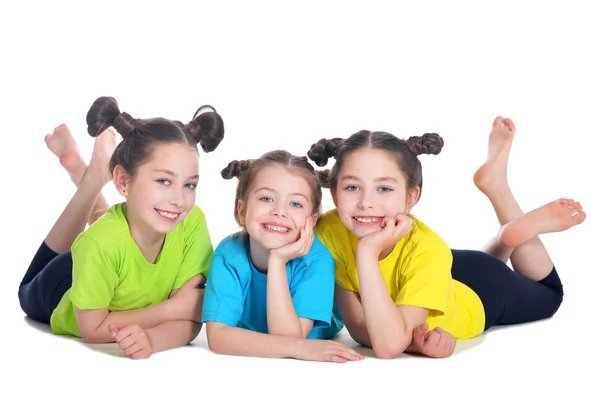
x,y
264,226
165,218
376,220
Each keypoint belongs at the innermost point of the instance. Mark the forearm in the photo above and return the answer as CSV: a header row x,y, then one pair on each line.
x,y
227,340
144,317
360,334
172,334
387,329
281,315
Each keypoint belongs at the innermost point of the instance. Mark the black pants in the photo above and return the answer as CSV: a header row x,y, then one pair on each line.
x,y
48,278
507,297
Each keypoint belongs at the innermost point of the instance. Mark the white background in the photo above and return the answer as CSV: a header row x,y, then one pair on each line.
x,y
284,75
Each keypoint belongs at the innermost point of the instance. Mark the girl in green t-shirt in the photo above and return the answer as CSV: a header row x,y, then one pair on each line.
x,y
133,276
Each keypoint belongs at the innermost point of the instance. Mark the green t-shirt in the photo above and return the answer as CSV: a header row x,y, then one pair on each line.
x,y
109,270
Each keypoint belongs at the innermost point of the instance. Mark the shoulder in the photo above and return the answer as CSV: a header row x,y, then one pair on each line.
x,y
425,236
330,229
232,248
110,229
194,220
425,244
318,251
317,256
329,220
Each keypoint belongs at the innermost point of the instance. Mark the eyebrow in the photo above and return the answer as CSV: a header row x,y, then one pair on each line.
x,y
273,191
379,179
171,173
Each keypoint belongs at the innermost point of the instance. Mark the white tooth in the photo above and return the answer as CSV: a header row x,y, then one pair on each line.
x,y
363,220
168,215
276,228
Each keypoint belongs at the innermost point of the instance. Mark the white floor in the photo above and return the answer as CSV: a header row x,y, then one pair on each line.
x,y
284,77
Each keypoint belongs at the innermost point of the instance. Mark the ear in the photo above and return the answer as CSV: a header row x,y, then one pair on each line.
x,y
314,219
333,196
121,180
241,212
412,198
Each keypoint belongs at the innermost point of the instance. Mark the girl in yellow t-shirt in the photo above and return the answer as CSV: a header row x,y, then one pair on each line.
x,y
393,273
132,276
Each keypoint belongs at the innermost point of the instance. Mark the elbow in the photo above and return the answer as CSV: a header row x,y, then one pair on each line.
x,y
387,352
213,335
93,338
390,350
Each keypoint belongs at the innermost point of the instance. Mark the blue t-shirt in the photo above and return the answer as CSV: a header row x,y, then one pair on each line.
x,y
236,292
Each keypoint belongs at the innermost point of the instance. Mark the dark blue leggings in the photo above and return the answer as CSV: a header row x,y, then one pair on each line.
x,y
507,297
48,278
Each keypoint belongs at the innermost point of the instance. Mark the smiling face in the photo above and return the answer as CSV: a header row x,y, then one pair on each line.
x,y
276,207
163,191
371,186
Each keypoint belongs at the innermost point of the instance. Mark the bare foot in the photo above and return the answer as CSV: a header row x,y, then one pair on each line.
x,y
491,178
99,163
555,216
63,145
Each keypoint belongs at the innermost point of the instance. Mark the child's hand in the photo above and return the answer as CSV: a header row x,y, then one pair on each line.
x,y
132,340
392,231
325,351
188,300
435,343
298,248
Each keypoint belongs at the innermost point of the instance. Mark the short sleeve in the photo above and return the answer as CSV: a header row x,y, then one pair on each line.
x,y
224,297
426,280
198,249
94,275
312,288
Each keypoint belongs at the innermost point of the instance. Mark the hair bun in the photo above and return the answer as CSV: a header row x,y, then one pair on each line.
x,y
235,169
324,149
428,143
207,128
102,115
125,124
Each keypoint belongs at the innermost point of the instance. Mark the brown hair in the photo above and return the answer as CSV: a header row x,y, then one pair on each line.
x,y
247,170
405,152
141,135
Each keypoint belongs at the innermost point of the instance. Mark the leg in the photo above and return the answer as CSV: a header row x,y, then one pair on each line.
x,y
48,278
75,216
62,144
507,297
530,257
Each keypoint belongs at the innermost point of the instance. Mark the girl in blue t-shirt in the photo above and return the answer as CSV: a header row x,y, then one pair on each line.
x,y
270,288
132,276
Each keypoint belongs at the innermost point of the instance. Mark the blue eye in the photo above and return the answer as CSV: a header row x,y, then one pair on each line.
x,y
296,204
163,182
191,186
351,188
385,189
266,199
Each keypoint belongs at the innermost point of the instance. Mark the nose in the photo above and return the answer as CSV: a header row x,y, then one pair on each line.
x,y
177,199
279,210
365,201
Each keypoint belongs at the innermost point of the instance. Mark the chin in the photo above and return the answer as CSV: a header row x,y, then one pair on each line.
x,y
275,242
165,229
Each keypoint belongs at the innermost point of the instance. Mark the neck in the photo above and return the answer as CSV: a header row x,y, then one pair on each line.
x,y
259,255
147,239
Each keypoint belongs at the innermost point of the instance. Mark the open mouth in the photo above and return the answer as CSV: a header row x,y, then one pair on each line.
x,y
168,216
367,220
276,228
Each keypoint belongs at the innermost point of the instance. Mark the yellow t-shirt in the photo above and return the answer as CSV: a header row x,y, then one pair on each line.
x,y
110,271
417,272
